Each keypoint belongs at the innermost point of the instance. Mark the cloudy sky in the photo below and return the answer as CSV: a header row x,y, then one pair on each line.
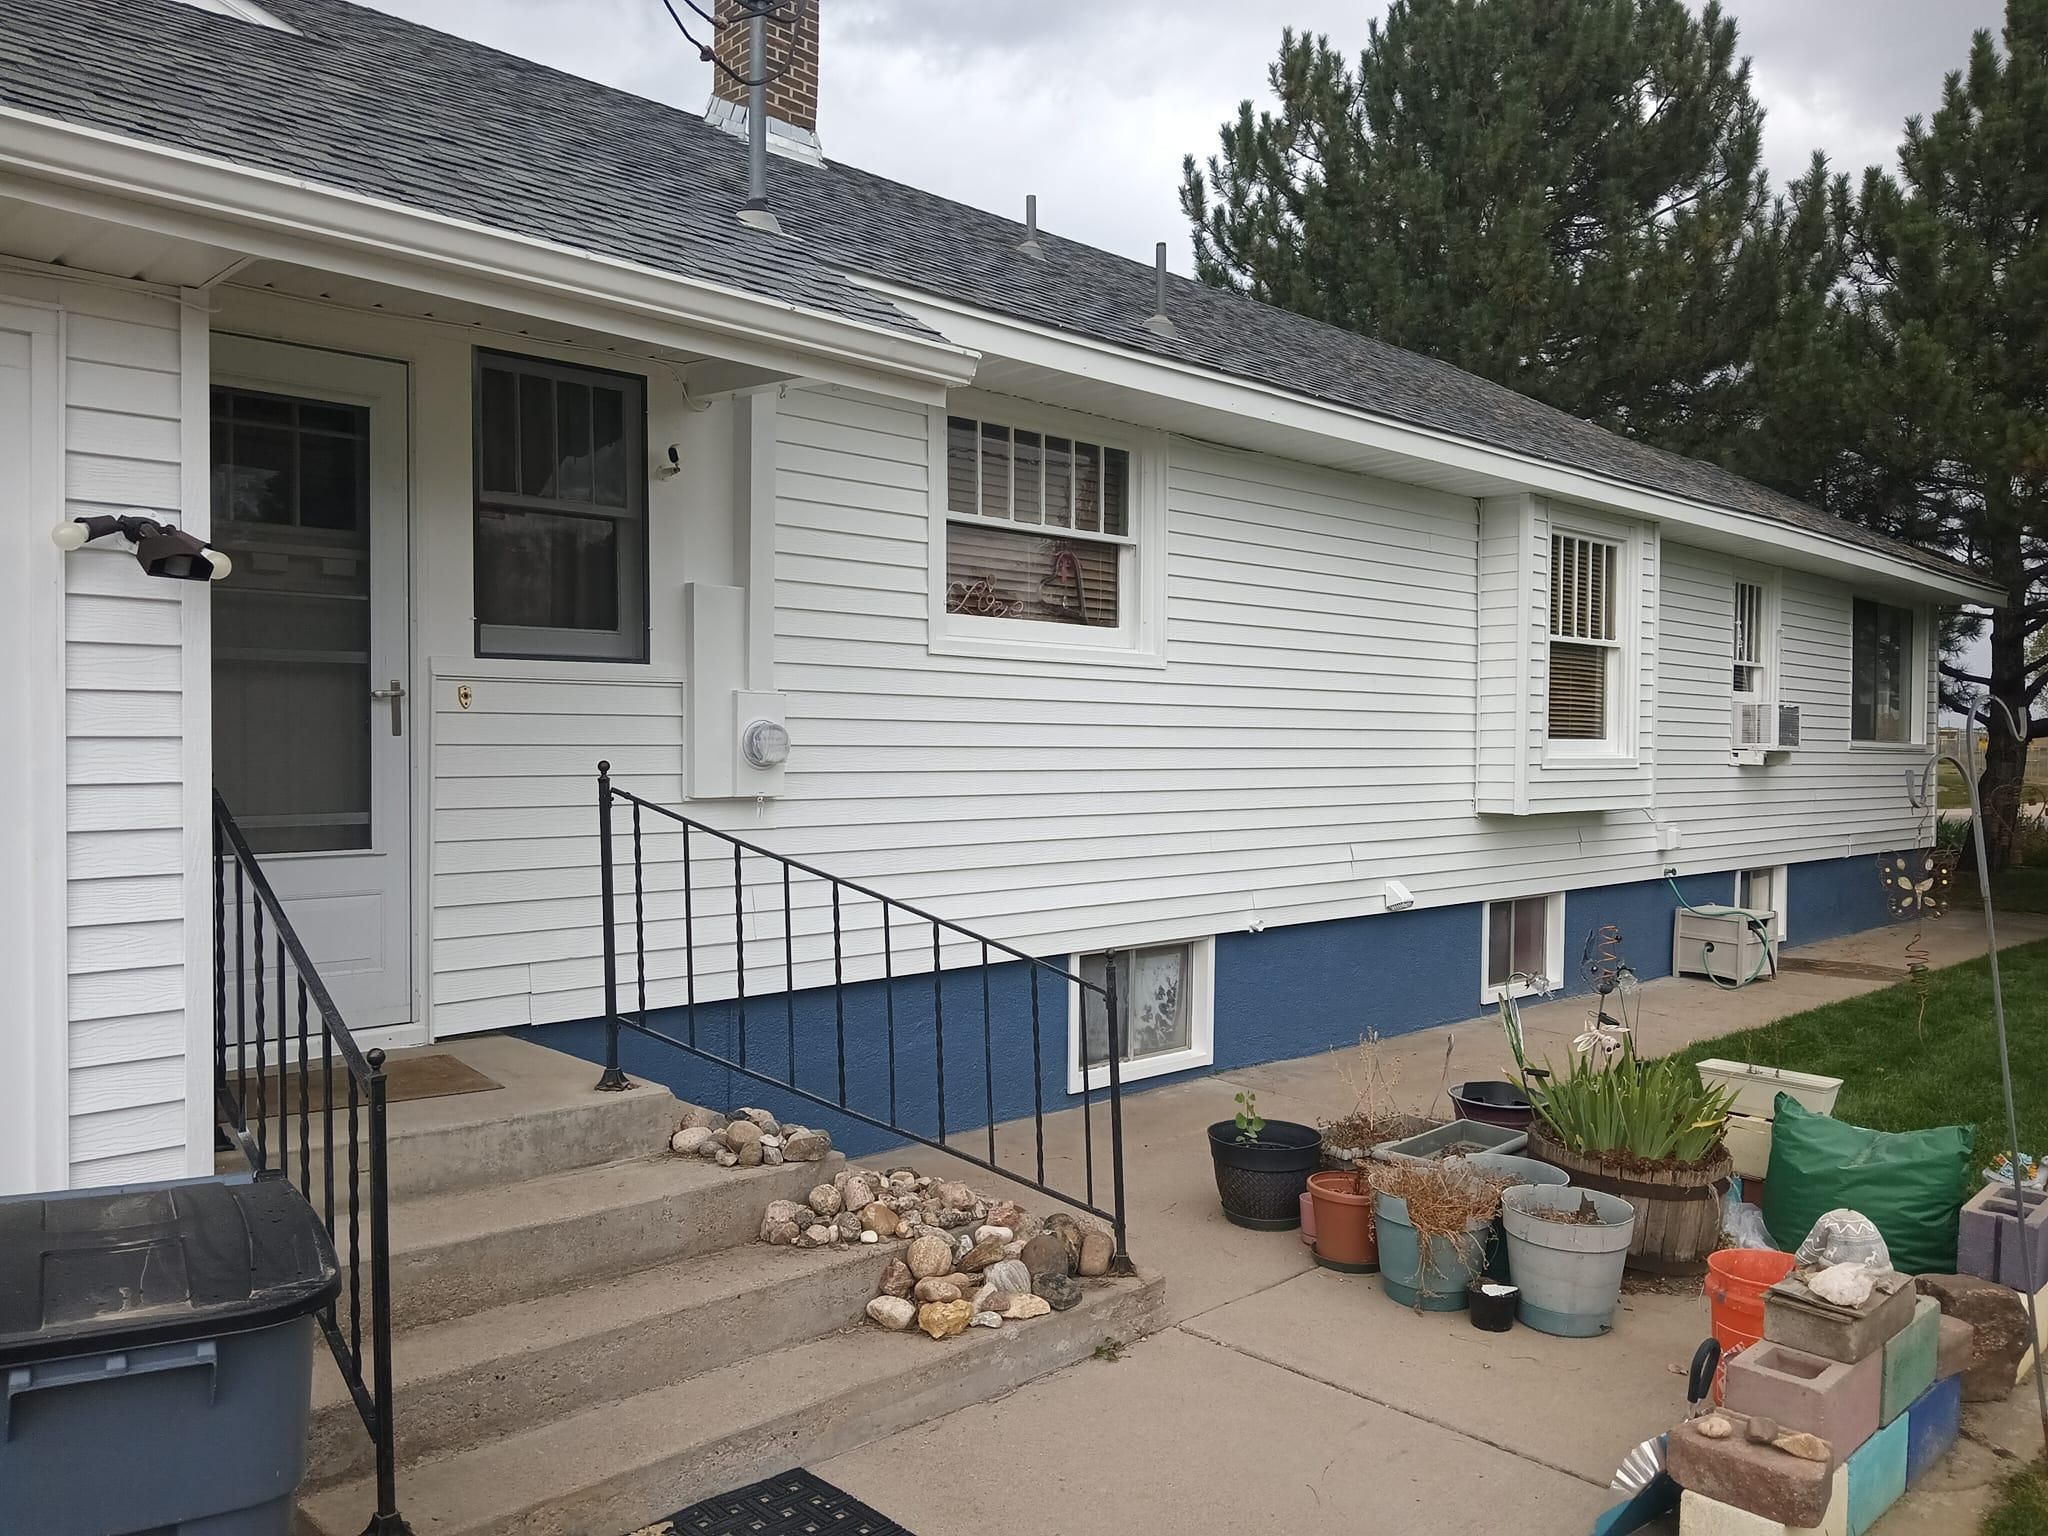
x,y
1092,104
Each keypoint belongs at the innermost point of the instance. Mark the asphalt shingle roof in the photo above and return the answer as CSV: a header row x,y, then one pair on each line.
x,y
371,104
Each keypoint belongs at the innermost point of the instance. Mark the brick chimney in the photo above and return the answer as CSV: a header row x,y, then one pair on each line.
x,y
792,68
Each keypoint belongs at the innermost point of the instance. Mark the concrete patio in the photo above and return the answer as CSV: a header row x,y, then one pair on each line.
x,y
1282,1396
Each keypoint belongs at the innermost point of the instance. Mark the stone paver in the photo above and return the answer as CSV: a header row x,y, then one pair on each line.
x,y
1286,1397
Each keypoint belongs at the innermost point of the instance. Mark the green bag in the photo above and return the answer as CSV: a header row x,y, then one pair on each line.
x,y
1911,1184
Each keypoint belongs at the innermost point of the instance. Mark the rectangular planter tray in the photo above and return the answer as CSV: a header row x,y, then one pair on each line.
x,y
1757,1088
1458,1136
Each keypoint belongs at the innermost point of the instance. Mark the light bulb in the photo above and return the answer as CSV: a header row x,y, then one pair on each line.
x,y
69,534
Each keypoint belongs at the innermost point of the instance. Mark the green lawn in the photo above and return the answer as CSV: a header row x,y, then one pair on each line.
x,y
2022,1508
1897,1078
2021,888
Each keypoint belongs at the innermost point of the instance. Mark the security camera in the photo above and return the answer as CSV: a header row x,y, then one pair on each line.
x,y
674,466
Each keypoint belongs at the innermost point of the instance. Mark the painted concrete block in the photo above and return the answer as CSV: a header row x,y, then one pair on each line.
x,y
1997,1242
1932,1424
1699,1515
2026,1365
1877,1476
1909,1358
1794,1316
1761,1479
1954,1348
1840,1403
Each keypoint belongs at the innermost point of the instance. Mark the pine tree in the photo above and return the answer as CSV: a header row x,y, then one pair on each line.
x,y
1953,305
1561,195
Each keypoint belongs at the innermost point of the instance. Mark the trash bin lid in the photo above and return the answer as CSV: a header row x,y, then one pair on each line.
x,y
103,1270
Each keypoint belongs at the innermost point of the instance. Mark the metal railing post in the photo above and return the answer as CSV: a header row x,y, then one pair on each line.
x,y
612,1079
1120,1258
386,1521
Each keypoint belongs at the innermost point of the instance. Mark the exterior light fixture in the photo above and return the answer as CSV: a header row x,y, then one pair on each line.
x,y
160,548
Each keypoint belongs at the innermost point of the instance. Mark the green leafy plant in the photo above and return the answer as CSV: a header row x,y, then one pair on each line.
x,y
1248,1122
1653,1112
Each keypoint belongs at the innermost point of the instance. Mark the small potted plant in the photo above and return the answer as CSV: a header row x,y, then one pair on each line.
x,y
1262,1166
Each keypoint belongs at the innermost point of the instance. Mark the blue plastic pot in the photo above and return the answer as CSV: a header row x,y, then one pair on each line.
x,y
1434,1281
1527,1171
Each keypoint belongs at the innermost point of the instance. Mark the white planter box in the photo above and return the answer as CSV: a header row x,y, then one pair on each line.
x,y
1749,1145
1757,1088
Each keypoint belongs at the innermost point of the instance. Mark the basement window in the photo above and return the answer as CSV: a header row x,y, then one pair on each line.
x,y
1521,946
1164,994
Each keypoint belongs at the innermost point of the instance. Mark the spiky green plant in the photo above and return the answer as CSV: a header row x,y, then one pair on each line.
x,y
1655,1112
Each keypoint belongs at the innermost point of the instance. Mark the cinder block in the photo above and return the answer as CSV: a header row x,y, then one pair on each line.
x,y
2040,1311
1877,1476
1794,1316
1760,1479
1840,1403
1997,1242
1954,1348
1699,1515
1932,1424
1748,1138
1909,1359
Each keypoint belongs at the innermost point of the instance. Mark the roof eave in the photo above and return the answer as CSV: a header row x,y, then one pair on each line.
x,y
185,195
1501,470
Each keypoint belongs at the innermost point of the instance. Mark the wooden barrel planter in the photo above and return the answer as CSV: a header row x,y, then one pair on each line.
x,y
1678,1210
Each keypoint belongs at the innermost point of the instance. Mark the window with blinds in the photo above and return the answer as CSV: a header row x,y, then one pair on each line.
x,y
1583,643
1751,668
1038,527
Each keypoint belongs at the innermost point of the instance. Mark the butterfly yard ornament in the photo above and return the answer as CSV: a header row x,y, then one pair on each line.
x,y
1916,886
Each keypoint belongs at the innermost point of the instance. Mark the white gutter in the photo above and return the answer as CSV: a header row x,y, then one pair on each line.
x,y
1187,385
189,196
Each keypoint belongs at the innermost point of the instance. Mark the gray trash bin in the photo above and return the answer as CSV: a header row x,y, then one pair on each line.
x,y
156,1349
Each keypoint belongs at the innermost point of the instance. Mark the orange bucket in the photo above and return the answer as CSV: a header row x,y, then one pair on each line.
x,y
1736,1281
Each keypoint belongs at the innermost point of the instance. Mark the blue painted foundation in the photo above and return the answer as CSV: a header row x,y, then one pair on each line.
x,y
1288,991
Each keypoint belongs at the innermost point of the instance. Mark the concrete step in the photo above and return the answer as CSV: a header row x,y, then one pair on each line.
x,y
544,1117
616,1467
498,1372
464,1251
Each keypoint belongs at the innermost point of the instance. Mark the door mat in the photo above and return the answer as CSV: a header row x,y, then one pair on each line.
x,y
790,1504
1852,970
432,1075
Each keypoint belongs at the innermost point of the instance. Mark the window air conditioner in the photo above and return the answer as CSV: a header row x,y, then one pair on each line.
x,y
1788,725
1748,724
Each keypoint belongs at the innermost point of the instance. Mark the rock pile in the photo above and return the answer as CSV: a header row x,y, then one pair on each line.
x,y
748,1138
969,1261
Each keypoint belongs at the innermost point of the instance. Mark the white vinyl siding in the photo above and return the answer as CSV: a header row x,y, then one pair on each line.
x,y
131,696
1312,734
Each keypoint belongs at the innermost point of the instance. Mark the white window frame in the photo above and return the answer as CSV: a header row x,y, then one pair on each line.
x,y
1917,638
1765,661
1201,1048
1139,639
1776,874
1553,947
1618,746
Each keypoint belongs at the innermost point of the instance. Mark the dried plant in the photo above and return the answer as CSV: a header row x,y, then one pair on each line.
x,y
1450,1199
1376,1114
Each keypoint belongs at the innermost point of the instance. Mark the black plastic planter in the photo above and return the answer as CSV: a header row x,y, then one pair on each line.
x,y
1493,1103
1262,1182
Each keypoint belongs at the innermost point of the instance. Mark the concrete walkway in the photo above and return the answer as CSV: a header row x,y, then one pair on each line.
x,y
1285,1397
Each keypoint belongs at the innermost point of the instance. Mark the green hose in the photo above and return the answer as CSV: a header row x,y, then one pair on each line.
x,y
1756,926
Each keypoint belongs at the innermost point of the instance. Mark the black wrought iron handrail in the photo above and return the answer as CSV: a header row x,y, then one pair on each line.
x,y
893,1121
244,961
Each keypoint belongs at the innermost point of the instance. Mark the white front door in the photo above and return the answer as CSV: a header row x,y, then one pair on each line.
x,y
312,721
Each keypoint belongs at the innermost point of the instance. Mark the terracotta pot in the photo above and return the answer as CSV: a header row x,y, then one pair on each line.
x,y
1345,1236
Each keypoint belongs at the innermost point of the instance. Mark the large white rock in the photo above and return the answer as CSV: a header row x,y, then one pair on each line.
x,y
892,1312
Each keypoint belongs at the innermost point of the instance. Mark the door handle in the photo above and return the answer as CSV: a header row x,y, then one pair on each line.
x,y
396,694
